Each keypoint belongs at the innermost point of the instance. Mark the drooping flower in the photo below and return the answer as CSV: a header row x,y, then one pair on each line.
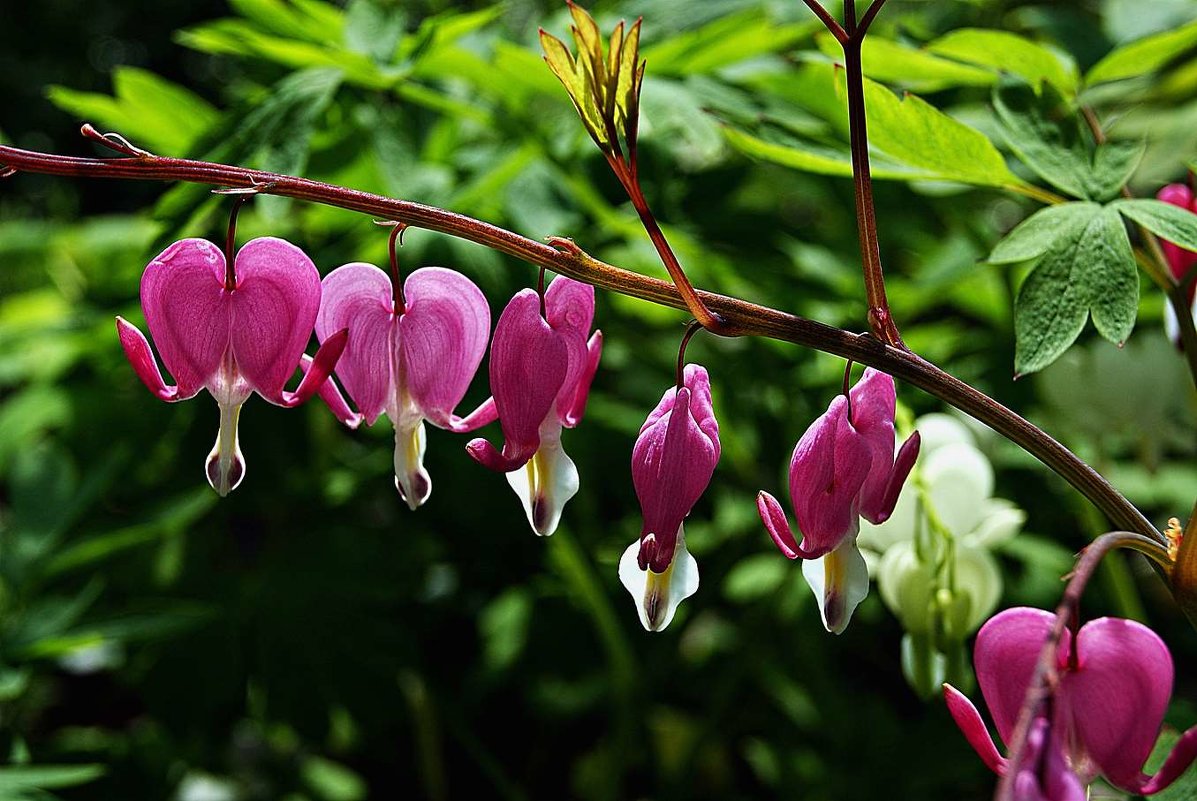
x,y
414,363
672,463
843,468
541,367
231,332
1180,261
1104,715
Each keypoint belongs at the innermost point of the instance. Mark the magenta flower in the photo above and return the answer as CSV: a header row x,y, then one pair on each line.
x,y
541,368
231,342
1180,261
414,364
672,463
843,468
1105,712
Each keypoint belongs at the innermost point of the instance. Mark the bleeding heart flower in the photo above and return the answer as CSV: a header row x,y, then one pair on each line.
x,y
843,468
672,463
413,360
541,368
1180,261
231,333
1105,712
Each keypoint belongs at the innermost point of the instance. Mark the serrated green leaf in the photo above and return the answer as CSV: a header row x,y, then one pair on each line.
x,y
627,88
1044,137
1035,235
1143,56
1113,165
1091,271
1165,220
893,62
1008,53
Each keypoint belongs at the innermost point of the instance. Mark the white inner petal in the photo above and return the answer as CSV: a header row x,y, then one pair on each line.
x,y
657,595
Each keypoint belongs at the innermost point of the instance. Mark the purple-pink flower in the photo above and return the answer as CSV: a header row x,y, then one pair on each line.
x,y
1180,261
843,468
1104,714
414,363
541,367
230,341
672,463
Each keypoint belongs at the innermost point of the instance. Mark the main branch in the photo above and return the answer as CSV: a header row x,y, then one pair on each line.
x,y
563,257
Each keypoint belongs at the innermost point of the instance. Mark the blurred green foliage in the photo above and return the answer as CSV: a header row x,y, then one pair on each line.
x,y
308,637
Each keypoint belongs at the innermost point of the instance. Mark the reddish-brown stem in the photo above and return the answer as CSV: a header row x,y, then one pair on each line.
x,y
691,329
707,318
566,258
869,15
230,244
1067,614
830,22
395,239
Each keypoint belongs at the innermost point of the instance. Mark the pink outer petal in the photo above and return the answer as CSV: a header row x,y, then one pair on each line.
x,y
1178,761
569,309
274,308
874,401
1005,654
1116,698
485,414
969,720
528,363
829,466
774,518
332,397
1045,774
903,464
672,464
187,311
137,350
1179,259
358,297
442,338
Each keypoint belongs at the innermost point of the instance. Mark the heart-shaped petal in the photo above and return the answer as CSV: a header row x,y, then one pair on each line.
x,y
528,363
1005,654
442,338
1115,698
358,297
569,309
874,401
273,311
187,311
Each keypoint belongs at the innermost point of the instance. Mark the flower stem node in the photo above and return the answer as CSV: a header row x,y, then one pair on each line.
x,y
231,341
672,464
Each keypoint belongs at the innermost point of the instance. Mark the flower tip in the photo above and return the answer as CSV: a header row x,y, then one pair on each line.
x,y
224,476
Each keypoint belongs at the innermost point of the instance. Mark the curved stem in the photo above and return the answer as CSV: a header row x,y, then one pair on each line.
x,y
691,329
1067,617
740,317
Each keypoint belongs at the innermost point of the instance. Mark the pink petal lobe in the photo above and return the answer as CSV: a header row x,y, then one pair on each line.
x,y
332,397
1178,761
830,464
528,363
1179,260
485,414
903,464
273,311
569,309
316,376
1005,654
442,339
358,297
137,350
1117,696
1045,774
672,464
776,523
971,726
874,401
187,311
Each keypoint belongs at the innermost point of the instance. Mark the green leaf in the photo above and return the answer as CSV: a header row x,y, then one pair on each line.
x,y
312,21
917,134
1044,136
728,40
1143,56
893,62
1035,235
817,158
332,781
15,779
1009,53
1163,219
1091,271
1113,165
